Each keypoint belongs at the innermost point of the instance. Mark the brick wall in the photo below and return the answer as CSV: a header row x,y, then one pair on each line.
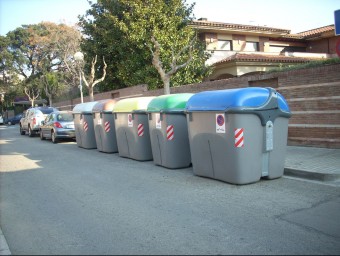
x,y
313,96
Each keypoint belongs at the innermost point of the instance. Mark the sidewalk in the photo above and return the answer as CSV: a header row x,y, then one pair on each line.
x,y
312,163
4,250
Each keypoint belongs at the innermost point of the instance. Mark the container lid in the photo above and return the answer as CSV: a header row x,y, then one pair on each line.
x,y
132,104
105,105
172,102
253,98
83,108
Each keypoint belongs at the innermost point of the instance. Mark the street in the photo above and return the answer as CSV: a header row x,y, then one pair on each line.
x,y
62,199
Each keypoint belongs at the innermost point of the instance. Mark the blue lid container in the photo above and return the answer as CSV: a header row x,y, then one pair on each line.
x,y
257,100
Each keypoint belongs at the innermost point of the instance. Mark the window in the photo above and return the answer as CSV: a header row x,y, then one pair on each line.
x,y
50,118
276,48
252,47
46,110
224,45
68,117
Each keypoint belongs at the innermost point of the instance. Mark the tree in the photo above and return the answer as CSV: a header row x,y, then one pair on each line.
x,y
39,49
32,90
91,82
69,39
7,77
6,60
174,66
126,63
162,25
122,30
53,83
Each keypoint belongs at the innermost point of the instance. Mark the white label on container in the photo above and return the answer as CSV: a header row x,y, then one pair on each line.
x,y
158,121
100,121
130,121
220,123
269,136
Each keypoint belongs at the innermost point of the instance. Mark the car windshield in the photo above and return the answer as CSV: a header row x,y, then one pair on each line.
x,y
67,117
47,110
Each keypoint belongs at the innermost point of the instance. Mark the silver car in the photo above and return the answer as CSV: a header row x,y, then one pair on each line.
x,y
32,118
58,125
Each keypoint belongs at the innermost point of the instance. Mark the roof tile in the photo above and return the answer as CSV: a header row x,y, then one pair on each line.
x,y
238,26
317,31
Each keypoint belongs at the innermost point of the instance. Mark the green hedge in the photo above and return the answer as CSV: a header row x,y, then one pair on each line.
x,y
311,64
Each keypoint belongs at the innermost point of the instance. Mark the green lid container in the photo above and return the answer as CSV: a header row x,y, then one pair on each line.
x,y
169,103
132,104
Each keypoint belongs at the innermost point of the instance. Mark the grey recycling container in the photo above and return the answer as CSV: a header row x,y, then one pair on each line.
x,y
83,124
238,135
104,126
169,130
132,128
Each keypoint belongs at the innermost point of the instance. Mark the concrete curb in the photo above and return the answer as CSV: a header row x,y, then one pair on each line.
x,y
311,175
4,249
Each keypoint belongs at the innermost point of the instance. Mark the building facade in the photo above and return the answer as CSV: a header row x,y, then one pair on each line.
x,y
237,50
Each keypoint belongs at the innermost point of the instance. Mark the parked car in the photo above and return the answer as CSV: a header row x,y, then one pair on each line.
x,y
32,118
1,119
58,125
13,120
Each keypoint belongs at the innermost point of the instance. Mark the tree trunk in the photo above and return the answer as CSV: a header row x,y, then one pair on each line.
x,y
91,93
50,100
166,82
91,83
157,63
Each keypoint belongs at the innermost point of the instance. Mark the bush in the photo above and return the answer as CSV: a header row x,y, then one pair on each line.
x,y
311,64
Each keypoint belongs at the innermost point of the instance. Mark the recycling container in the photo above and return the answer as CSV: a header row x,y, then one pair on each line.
x,y
104,126
83,124
238,135
132,128
169,130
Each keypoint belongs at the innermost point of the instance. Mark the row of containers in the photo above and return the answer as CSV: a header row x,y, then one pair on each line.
x,y
234,135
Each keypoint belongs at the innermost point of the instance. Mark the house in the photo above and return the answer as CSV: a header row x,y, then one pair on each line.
x,y
238,50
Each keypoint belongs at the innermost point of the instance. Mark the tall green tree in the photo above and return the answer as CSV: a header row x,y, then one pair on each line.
x,y
162,25
24,58
53,84
6,74
39,49
145,41
104,38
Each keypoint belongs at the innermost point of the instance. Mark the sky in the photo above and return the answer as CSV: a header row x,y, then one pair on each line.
x,y
294,15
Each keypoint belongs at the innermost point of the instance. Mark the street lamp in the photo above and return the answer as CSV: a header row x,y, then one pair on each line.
x,y
79,56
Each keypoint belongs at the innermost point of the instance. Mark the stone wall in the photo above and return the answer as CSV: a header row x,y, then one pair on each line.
x,y
313,96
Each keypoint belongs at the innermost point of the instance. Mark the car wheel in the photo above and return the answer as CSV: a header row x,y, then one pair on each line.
x,y
30,132
53,137
41,135
22,132
9,123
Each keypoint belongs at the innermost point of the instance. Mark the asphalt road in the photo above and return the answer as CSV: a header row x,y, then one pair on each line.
x,y
62,199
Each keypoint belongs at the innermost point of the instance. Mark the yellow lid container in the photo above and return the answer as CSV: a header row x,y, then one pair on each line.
x,y
132,104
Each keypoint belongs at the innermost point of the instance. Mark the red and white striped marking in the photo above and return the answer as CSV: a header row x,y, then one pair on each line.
x,y
239,140
170,132
140,130
86,126
107,126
